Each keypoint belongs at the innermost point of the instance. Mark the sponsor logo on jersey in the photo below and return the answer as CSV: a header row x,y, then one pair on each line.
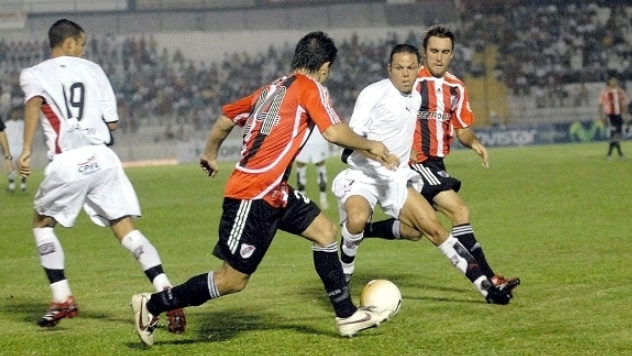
x,y
433,115
246,250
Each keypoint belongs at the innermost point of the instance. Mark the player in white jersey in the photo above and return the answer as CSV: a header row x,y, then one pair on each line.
x,y
387,111
316,151
76,104
14,130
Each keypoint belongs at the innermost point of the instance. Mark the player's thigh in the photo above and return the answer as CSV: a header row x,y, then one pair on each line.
x,y
246,230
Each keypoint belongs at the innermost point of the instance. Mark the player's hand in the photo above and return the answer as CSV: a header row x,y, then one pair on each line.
x,y
24,164
413,156
481,151
210,167
381,153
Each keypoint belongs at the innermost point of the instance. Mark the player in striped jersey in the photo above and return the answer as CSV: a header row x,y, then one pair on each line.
x,y
612,103
75,102
444,112
276,119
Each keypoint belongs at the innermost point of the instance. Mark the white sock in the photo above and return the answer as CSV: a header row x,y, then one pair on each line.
x,y
61,291
396,231
50,250
447,247
144,252
350,241
161,282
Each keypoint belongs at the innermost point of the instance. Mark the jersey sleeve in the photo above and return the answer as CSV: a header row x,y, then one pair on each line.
x,y
108,99
31,86
463,115
239,111
317,103
361,116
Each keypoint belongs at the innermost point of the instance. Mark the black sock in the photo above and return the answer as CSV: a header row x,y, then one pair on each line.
x,y
329,270
465,234
153,272
54,275
381,229
193,292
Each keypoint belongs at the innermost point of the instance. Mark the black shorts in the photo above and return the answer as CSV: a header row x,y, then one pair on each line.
x,y
436,179
616,123
247,227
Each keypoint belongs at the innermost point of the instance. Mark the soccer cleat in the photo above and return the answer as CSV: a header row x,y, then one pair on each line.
x,y
177,321
505,284
498,296
23,187
144,321
363,318
11,187
58,311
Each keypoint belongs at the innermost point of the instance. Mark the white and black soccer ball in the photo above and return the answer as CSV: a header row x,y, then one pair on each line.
x,y
381,294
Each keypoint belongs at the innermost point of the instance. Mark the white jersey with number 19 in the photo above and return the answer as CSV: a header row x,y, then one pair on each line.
x,y
78,102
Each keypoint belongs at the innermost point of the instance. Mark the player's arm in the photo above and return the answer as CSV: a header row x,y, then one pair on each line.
x,y
8,159
31,120
220,130
342,135
468,138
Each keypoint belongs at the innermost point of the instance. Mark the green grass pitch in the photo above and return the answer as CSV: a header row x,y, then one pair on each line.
x,y
557,216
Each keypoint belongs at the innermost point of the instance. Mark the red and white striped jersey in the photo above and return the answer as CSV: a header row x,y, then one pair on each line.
x,y
277,119
78,102
444,107
613,100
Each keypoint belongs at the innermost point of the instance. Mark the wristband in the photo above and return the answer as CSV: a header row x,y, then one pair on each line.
x,y
9,158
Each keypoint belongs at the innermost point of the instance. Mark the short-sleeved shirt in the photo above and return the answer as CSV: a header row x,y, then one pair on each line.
x,y
382,113
276,121
444,107
78,102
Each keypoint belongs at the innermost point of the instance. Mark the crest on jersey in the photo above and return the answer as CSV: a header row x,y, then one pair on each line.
x,y
246,250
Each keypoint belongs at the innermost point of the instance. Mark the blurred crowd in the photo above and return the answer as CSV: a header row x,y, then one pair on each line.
x,y
539,46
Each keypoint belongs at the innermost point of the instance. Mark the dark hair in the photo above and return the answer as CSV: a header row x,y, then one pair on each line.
x,y
404,48
438,31
61,30
314,50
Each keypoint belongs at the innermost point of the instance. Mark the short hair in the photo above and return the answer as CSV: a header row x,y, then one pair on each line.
x,y
61,30
314,50
404,48
438,31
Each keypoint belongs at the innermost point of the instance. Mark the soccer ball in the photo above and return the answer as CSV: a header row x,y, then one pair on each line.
x,y
381,294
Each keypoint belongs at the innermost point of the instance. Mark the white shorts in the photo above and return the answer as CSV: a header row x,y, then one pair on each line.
x,y
391,196
90,177
316,149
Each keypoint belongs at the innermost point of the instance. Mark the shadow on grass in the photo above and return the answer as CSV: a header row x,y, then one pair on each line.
x,y
30,311
226,324
404,281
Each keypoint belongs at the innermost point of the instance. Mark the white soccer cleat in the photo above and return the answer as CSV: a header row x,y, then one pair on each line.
x,y
363,318
145,322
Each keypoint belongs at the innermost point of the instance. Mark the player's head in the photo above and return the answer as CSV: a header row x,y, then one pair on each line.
x,y
403,67
438,48
613,82
315,53
67,38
